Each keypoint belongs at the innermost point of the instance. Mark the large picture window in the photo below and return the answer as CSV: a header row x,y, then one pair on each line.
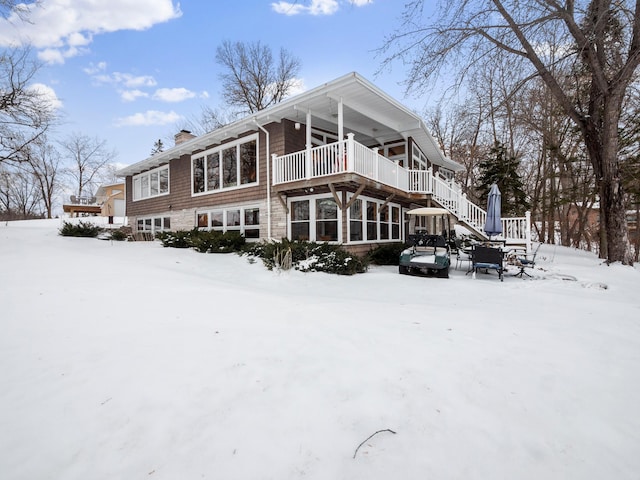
x,y
227,166
151,184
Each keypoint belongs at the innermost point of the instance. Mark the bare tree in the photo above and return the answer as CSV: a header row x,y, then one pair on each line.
x,y
44,163
25,113
253,79
20,197
601,41
87,159
20,9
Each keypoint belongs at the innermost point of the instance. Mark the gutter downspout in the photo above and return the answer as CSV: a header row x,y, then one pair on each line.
x,y
268,179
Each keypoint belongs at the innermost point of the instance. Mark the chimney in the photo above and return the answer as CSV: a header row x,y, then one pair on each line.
x,y
182,136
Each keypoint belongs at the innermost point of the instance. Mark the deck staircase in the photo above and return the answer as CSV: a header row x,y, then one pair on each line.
x,y
350,156
516,231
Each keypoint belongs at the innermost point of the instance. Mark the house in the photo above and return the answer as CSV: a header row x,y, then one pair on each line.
x,y
111,200
341,163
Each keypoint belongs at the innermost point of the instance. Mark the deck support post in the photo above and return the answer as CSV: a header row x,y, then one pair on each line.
x,y
335,196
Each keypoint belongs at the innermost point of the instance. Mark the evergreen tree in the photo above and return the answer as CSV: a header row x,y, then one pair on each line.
x,y
157,147
501,168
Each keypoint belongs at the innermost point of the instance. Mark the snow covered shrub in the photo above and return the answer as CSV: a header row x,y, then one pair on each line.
x,y
217,242
177,239
332,259
81,229
118,235
307,257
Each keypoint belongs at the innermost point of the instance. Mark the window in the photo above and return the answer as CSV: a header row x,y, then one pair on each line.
x,y
198,175
248,163
315,219
213,171
154,224
395,223
373,220
245,220
419,161
228,166
326,220
252,223
384,223
355,221
233,220
151,184
300,220
203,220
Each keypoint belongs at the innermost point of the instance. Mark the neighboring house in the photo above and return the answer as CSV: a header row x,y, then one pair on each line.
x,y
111,200
339,163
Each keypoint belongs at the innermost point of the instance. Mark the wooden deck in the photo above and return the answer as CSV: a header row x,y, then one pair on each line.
x,y
76,210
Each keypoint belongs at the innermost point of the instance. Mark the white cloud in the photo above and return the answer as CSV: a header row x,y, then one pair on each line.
x,y
66,25
125,79
48,94
323,7
315,7
173,94
132,95
287,8
94,69
148,118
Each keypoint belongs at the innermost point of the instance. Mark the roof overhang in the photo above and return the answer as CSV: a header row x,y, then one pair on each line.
x,y
368,112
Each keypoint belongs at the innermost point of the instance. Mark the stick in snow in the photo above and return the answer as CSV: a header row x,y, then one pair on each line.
x,y
369,437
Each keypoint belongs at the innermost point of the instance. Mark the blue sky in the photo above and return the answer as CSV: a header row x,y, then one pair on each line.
x,y
130,72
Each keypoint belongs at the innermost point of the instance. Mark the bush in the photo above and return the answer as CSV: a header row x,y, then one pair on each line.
x,y
177,239
217,242
204,241
307,257
387,254
118,235
81,229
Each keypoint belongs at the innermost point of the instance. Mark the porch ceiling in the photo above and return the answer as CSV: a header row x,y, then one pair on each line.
x,y
372,115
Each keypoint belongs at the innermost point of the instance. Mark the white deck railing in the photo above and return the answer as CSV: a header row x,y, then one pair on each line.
x,y
350,156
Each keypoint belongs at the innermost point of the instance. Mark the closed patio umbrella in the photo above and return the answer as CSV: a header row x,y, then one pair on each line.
x,y
493,225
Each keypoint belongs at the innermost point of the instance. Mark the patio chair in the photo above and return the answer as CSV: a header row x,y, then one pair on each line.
x,y
524,262
462,254
487,258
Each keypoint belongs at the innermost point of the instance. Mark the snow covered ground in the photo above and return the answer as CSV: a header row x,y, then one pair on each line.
x,y
128,360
